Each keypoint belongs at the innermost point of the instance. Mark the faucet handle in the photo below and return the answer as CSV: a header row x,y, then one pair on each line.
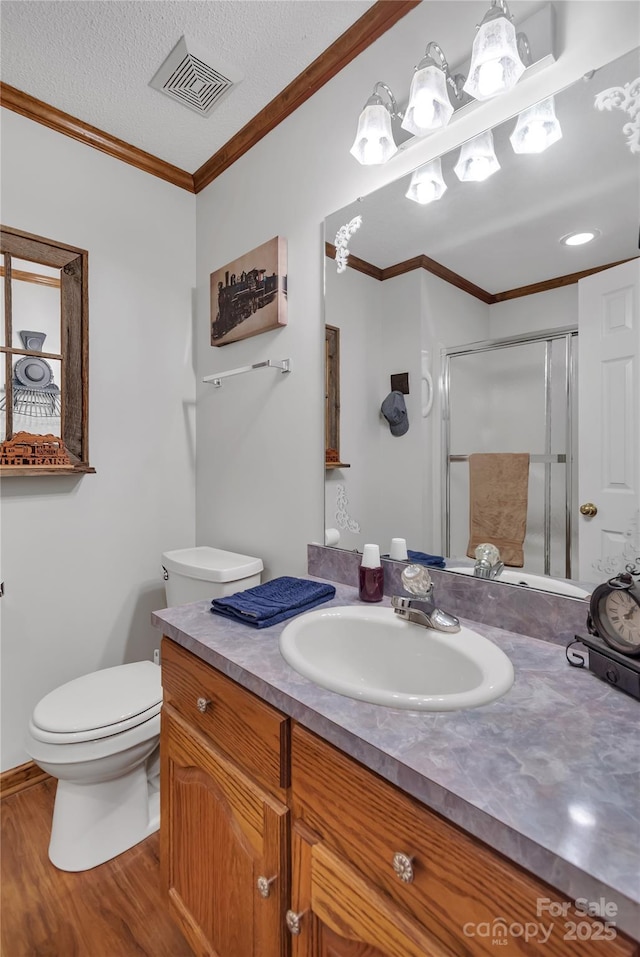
x,y
416,580
487,552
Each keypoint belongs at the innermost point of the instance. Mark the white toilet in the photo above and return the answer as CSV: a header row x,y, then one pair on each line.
x,y
99,734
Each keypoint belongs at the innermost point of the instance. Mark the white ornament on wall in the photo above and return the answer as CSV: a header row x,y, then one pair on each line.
x,y
343,236
342,516
626,98
628,559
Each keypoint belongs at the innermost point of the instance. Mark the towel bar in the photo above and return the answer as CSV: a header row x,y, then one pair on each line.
x,y
552,459
283,364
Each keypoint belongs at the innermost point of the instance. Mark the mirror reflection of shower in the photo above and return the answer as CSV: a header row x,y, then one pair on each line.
x,y
514,395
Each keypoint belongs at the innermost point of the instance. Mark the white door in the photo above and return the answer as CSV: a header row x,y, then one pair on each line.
x,y
609,420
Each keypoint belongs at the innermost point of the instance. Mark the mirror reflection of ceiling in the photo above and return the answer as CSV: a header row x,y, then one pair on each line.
x,y
504,233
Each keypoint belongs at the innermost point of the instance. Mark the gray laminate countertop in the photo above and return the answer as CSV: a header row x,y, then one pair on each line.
x,y
549,775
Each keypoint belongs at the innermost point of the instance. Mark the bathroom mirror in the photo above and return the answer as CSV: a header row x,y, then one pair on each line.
x,y
476,298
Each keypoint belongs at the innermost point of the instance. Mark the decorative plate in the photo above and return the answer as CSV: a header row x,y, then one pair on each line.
x,y
33,373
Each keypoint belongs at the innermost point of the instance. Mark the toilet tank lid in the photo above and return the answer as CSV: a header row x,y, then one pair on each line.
x,y
101,698
211,564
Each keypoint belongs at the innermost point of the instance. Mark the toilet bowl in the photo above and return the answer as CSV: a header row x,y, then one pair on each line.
x,y
99,736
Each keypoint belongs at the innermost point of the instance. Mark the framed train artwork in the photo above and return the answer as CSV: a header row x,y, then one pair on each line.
x,y
249,295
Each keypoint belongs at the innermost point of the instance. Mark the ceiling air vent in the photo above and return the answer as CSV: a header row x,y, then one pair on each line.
x,y
186,77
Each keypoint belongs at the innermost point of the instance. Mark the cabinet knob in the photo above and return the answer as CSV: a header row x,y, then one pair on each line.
x,y
588,509
403,866
202,704
293,921
264,885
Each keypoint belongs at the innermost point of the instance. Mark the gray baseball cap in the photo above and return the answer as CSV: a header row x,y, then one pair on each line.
x,y
395,412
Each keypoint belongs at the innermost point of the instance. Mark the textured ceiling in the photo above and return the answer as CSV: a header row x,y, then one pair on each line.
x,y
94,59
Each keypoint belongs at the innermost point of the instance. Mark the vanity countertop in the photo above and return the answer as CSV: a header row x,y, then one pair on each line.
x,y
549,775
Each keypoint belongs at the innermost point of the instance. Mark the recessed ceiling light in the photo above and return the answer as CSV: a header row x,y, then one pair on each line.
x,y
579,239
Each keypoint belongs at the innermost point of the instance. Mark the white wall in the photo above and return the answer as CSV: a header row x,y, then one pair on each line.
x,y
393,482
81,557
260,469
357,315
380,336
553,309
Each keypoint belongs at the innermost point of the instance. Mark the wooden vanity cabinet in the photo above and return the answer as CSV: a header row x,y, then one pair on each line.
x,y
376,874
337,912
363,870
224,823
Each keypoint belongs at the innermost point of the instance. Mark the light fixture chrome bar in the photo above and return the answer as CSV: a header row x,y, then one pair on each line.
x,y
283,364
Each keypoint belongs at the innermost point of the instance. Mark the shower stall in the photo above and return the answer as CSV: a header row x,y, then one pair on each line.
x,y
514,394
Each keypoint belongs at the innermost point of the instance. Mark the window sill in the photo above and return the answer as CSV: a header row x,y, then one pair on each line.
x,y
7,471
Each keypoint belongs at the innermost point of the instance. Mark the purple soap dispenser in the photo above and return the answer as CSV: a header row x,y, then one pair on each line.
x,y
371,574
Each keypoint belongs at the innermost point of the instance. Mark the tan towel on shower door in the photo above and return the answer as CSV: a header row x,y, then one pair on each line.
x,y
498,498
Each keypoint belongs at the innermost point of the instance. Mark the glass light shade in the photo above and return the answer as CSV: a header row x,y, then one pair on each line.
x,y
429,106
427,184
495,62
477,160
374,141
536,128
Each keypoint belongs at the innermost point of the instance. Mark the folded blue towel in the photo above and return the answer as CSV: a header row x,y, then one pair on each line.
x,y
422,558
275,601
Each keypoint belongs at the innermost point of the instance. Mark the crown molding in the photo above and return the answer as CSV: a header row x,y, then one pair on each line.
x,y
40,112
556,283
372,25
437,269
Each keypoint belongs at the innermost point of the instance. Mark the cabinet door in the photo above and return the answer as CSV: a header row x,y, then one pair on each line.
x,y
224,850
336,912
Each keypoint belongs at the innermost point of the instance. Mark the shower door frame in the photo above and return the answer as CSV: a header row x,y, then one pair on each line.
x,y
566,333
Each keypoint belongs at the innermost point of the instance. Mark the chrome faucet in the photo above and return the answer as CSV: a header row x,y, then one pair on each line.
x,y
488,564
420,608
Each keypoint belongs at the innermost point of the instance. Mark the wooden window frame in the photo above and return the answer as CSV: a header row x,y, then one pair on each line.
x,y
74,340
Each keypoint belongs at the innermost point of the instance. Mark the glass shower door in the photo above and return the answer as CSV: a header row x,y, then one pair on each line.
x,y
513,396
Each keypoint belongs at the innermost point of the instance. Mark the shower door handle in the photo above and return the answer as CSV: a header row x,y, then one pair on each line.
x,y
588,509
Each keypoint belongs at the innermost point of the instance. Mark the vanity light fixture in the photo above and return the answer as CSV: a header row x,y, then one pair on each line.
x,y
579,239
429,106
536,128
374,142
477,160
427,184
497,57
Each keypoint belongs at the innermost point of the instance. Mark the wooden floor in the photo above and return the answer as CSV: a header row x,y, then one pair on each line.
x,y
114,910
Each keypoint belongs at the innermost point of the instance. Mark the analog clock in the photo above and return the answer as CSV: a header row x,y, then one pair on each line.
x,y
614,614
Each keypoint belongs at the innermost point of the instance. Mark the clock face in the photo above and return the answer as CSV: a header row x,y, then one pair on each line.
x,y
615,614
622,614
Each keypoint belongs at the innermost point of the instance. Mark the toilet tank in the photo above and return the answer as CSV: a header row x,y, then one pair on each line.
x,y
201,573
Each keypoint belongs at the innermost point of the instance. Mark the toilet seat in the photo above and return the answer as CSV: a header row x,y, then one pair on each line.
x,y
99,704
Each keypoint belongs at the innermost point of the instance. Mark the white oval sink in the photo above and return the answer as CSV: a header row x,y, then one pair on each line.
x,y
373,654
514,577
